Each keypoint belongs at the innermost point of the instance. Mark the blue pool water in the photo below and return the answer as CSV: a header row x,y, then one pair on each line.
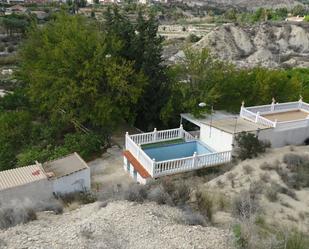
x,y
173,151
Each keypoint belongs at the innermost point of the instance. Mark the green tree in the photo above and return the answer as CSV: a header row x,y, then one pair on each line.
x,y
15,128
143,47
298,10
76,74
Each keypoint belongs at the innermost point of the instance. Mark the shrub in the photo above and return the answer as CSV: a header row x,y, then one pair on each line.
x,y
204,204
265,177
159,196
244,206
11,216
293,240
80,197
249,146
271,193
248,169
11,49
136,193
294,160
297,175
2,48
192,218
194,38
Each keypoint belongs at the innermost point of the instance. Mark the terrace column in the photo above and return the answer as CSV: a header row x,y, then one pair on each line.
x,y
155,134
272,108
194,160
275,122
127,135
153,167
257,116
181,133
242,107
300,101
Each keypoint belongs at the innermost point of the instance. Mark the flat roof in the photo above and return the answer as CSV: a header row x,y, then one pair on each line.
x,y
206,117
287,115
236,125
65,165
225,121
21,176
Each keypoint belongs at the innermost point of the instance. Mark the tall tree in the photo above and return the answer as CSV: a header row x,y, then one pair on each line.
x,y
68,69
141,45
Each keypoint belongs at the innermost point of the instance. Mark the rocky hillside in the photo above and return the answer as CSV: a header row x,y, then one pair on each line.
x,y
269,45
248,4
119,225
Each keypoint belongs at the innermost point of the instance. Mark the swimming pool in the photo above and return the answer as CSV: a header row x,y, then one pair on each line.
x,y
173,151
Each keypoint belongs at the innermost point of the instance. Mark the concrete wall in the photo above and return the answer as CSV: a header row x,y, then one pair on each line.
x,y
77,181
215,138
40,190
280,137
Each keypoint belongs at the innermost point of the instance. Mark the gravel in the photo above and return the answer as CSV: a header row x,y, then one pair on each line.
x,y
120,224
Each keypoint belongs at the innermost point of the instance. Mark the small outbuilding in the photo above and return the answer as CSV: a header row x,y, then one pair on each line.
x,y
68,174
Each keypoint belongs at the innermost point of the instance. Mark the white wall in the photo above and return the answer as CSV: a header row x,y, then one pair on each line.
x,y
217,139
280,138
40,190
139,179
77,181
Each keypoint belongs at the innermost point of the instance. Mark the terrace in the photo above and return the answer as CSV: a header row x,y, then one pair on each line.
x,y
278,115
172,151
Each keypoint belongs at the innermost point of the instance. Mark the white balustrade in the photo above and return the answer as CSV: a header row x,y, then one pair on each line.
x,y
191,163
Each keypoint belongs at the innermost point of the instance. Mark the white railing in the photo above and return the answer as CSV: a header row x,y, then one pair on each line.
x,y
265,121
255,117
139,154
188,137
191,163
264,109
304,106
158,136
157,169
294,124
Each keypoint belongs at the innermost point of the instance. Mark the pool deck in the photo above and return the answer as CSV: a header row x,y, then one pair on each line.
x,y
287,116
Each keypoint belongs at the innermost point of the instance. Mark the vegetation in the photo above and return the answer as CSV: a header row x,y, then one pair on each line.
x,y
249,146
202,78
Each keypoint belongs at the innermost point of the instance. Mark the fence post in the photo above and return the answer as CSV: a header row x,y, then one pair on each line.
x,y
153,167
257,116
241,108
194,159
155,134
272,108
126,140
275,123
181,132
300,102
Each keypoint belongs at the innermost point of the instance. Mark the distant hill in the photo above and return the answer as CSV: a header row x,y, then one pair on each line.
x,y
249,4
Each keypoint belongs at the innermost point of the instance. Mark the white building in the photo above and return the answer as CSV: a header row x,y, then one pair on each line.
x,y
68,174
41,182
158,153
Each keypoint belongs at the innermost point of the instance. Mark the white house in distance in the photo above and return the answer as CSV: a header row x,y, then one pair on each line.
x,y
159,153
40,182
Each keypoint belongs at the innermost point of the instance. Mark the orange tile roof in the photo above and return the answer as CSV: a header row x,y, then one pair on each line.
x,y
136,164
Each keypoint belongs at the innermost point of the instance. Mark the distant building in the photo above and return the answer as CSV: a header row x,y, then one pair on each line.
x,y
16,9
41,182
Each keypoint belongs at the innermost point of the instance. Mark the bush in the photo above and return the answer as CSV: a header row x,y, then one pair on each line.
x,y
271,193
192,218
248,169
13,215
249,146
159,196
136,193
297,175
11,49
194,38
2,48
205,204
80,197
244,206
